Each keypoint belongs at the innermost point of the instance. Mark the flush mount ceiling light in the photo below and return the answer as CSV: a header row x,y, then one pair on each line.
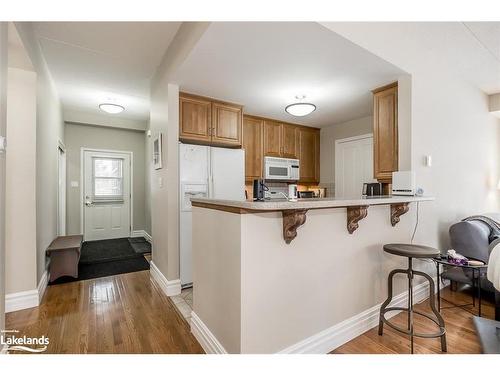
x,y
111,108
300,109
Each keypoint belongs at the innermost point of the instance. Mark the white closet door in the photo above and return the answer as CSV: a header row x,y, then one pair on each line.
x,y
353,165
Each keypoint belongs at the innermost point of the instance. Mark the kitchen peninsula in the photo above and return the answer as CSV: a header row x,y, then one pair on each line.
x,y
319,261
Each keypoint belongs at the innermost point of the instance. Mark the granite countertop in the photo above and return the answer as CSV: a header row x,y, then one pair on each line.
x,y
306,203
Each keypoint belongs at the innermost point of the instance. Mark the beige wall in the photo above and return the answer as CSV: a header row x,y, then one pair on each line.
x,y
257,294
164,117
330,134
49,132
98,137
148,167
449,115
3,128
21,226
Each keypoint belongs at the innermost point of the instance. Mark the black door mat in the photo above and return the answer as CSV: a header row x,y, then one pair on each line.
x,y
140,245
106,258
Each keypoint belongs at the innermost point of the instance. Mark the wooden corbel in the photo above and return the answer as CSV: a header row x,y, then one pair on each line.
x,y
354,215
397,210
292,219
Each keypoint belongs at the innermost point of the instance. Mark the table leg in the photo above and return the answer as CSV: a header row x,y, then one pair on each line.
x,y
473,288
438,287
479,290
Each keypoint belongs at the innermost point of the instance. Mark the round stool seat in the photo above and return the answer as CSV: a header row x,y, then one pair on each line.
x,y
411,251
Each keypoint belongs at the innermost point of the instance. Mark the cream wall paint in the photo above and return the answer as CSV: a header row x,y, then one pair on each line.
x,y
329,135
164,117
98,137
80,117
449,115
3,131
21,226
49,132
148,167
323,277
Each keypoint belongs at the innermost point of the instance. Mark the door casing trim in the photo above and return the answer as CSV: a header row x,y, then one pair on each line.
x,y
82,181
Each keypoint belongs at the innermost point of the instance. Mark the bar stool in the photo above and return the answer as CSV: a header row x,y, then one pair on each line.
x,y
412,251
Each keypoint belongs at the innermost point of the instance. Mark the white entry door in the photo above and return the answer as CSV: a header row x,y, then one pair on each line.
x,y
106,196
353,165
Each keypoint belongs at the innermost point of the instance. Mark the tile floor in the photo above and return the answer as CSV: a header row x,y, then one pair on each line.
x,y
184,303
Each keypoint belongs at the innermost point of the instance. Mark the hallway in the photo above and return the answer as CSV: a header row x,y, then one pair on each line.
x,y
126,313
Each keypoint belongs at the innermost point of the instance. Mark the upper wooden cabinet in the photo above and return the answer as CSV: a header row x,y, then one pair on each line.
x,y
385,132
253,144
290,136
195,118
309,154
281,140
273,139
264,137
208,121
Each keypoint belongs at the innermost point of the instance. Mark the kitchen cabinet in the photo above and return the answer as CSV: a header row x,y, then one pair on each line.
x,y
209,121
385,132
272,138
309,154
195,118
253,144
290,137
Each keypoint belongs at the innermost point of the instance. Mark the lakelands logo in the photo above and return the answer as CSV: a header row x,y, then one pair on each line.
x,y
23,343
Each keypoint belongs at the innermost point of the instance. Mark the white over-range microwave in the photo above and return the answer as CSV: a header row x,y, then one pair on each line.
x,y
281,169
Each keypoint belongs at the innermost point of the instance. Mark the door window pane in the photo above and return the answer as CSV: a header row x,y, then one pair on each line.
x,y
107,178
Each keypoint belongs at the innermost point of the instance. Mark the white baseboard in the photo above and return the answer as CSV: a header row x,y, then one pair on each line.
x,y
343,332
169,287
21,300
142,233
27,299
42,286
207,340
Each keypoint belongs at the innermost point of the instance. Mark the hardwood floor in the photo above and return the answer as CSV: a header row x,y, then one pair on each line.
x,y
460,333
129,314
125,313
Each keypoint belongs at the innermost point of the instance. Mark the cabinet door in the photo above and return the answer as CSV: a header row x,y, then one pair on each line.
x,y
253,143
195,119
385,133
272,138
226,124
290,135
309,155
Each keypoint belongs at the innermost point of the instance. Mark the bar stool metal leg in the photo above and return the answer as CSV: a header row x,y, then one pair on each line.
x,y
388,300
410,302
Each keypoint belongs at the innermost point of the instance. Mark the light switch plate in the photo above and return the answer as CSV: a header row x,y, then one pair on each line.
x,y
160,181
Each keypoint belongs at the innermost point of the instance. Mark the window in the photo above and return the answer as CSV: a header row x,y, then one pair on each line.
x,y
107,176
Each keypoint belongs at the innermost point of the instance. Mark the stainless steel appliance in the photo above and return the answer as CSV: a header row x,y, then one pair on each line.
x,y
371,189
281,169
259,189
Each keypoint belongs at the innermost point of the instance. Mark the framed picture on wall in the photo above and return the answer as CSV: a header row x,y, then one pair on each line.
x,y
157,151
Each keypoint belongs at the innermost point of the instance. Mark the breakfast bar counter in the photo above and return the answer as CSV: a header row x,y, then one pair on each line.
x,y
297,277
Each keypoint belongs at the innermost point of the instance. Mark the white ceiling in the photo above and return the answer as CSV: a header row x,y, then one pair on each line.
x,y
264,65
96,62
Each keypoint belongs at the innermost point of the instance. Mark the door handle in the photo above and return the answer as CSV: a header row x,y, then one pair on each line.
x,y
88,202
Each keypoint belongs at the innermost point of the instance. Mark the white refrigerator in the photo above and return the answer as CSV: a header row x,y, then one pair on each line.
x,y
205,171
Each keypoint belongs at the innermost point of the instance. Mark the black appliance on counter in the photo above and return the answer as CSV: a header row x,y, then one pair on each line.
x,y
371,189
306,194
259,189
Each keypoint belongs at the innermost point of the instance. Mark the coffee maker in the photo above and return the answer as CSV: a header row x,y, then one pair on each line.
x,y
259,189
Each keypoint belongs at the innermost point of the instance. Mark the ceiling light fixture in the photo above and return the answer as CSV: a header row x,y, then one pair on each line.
x,y
111,108
300,109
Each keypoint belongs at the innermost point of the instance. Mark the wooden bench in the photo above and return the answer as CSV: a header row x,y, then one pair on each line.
x,y
64,254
